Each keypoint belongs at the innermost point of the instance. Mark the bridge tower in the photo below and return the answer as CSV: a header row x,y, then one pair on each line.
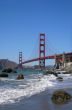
x,y
42,51
20,60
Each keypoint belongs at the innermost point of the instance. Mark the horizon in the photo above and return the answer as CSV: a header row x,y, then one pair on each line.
x,y
22,21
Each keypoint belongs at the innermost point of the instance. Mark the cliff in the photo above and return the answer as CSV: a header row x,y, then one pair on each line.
x,y
68,68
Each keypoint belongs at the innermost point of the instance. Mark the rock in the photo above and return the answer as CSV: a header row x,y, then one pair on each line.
x,y
9,70
59,78
14,71
60,97
20,76
48,72
55,74
3,75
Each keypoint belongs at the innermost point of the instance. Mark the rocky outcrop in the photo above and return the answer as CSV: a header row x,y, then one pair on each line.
x,y
68,68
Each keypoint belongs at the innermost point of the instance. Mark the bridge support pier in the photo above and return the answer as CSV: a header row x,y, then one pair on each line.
x,y
20,60
63,60
42,51
58,63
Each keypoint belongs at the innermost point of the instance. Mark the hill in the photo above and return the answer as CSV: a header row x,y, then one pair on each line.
x,y
5,63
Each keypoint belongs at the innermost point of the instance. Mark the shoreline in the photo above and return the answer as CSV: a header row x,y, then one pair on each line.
x,y
41,101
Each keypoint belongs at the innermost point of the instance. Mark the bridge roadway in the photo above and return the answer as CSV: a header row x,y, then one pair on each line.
x,y
37,59
59,56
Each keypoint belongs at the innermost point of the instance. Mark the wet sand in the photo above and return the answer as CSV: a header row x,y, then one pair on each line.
x,y
40,101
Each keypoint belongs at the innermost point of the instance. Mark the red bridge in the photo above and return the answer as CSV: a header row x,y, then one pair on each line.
x,y
59,58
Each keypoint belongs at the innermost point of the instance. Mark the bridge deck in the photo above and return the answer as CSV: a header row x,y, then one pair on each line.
x,y
48,57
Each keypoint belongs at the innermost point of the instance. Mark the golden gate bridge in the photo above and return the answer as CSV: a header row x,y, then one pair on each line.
x,y
60,59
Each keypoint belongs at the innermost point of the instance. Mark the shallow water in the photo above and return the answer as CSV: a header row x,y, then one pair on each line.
x,y
13,91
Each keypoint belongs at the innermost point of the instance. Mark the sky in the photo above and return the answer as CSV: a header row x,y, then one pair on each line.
x,y
21,22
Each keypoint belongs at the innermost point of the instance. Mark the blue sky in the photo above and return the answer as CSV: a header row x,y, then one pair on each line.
x,y
21,21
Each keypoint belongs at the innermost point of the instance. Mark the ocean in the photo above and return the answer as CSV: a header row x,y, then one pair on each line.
x,y
13,91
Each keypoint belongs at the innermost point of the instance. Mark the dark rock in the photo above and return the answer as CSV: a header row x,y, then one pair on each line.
x,y
60,97
50,72
14,71
20,76
9,70
59,78
3,75
55,74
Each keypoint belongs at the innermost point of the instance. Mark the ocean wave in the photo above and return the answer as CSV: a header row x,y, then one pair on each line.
x,y
13,90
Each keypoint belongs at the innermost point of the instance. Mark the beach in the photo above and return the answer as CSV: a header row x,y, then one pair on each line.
x,y
40,101
34,92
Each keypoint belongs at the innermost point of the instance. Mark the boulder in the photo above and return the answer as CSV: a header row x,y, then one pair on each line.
x,y
60,97
20,76
3,75
59,78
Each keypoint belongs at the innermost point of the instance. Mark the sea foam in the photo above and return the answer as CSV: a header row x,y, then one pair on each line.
x,y
13,90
